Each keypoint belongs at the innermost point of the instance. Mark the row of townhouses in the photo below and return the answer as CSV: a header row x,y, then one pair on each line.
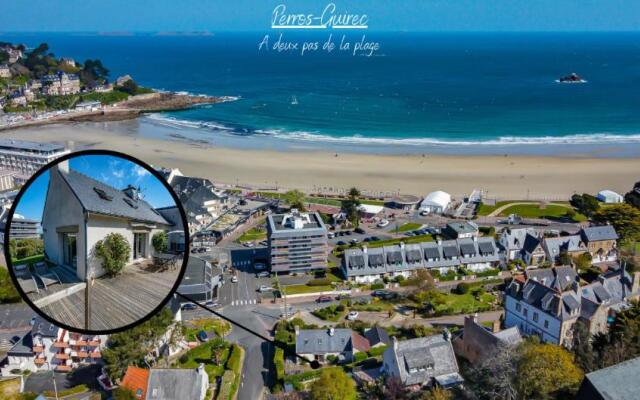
x,y
371,264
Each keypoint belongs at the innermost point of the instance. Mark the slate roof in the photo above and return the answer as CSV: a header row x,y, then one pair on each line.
x,y
484,339
597,233
320,341
84,189
555,246
396,258
23,347
514,238
175,383
377,335
530,244
422,359
44,328
618,382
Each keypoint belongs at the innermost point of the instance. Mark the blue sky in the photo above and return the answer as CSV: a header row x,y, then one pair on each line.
x,y
251,15
114,171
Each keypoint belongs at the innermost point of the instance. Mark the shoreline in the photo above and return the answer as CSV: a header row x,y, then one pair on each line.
x,y
512,177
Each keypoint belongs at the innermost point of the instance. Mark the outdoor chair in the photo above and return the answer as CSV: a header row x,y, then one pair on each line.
x,y
25,279
46,275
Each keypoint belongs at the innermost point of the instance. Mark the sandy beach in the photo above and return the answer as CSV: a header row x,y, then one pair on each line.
x,y
502,177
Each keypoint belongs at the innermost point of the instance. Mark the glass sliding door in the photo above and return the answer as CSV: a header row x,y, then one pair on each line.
x,y
139,245
69,249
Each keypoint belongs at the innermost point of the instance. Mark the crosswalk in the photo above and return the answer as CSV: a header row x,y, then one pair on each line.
x,y
243,302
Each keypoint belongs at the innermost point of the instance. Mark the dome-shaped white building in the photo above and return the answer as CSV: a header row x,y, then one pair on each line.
x,y
436,202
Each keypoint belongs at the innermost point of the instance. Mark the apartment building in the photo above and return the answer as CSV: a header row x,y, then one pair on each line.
x,y
48,347
27,157
297,241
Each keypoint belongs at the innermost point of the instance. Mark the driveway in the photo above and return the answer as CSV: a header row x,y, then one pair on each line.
x,y
39,382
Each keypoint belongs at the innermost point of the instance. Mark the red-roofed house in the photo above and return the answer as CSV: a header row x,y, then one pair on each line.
x,y
136,380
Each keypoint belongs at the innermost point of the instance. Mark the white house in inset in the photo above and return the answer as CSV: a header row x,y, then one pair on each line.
x,y
80,211
609,196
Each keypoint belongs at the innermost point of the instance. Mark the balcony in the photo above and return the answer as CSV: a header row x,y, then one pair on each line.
x,y
78,343
95,354
63,368
38,348
61,356
60,345
94,342
80,354
40,360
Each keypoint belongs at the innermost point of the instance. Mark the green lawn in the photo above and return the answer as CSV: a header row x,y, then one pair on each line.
x,y
253,234
330,313
484,210
534,211
203,354
451,304
299,289
406,240
409,226
28,260
218,326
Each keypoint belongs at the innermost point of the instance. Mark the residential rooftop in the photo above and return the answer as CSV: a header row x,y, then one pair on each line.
x,y
32,147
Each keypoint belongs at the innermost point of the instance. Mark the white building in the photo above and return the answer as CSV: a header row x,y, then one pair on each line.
x,y
547,302
28,157
5,72
80,211
88,106
436,202
47,347
609,196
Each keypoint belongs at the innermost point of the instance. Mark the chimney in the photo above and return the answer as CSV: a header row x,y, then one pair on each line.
x,y
364,249
402,245
635,285
447,335
297,328
394,342
475,318
439,242
495,326
200,369
63,166
332,331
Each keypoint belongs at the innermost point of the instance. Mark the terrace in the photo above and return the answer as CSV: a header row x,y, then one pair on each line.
x,y
115,301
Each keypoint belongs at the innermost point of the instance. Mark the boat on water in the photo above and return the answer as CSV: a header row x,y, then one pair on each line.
x,y
571,78
294,100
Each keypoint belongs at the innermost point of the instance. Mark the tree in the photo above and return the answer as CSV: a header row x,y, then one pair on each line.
x,y
160,242
130,87
581,347
624,218
585,203
295,199
495,376
437,393
332,384
633,196
122,393
545,370
565,258
351,206
622,342
583,261
93,71
114,251
131,347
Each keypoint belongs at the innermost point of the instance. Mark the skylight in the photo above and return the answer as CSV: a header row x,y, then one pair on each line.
x,y
130,202
103,195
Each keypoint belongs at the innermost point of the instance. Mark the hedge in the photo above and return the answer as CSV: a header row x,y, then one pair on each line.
x,y
319,282
226,386
278,361
376,286
376,351
359,356
67,392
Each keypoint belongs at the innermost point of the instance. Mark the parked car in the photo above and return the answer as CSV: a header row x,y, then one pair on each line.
x,y
203,337
202,250
343,297
194,250
331,235
264,288
341,243
263,274
212,304
382,223
374,238
323,299
367,239
234,279
384,294
424,213
248,244
354,240
189,306
359,230
348,233
352,315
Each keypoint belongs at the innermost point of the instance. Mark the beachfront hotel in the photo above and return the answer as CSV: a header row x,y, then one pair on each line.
x,y
297,241
27,157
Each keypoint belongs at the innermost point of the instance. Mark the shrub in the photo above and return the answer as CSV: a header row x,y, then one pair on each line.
x,y
114,251
183,358
160,242
278,361
376,351
359,356
319,282
340,308
376,286
462,288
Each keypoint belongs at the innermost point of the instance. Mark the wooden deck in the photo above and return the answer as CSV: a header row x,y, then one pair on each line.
x,y
66,275
116,302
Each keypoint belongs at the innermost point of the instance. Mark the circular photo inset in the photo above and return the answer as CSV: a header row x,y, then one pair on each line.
x,y
95,242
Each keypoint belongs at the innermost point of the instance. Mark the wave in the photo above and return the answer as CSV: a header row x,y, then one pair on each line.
x,y
587,139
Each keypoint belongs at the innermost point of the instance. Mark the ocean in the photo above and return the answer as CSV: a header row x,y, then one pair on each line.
x,y
420,92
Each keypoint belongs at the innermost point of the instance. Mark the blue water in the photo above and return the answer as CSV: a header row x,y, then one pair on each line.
x,y
420,89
